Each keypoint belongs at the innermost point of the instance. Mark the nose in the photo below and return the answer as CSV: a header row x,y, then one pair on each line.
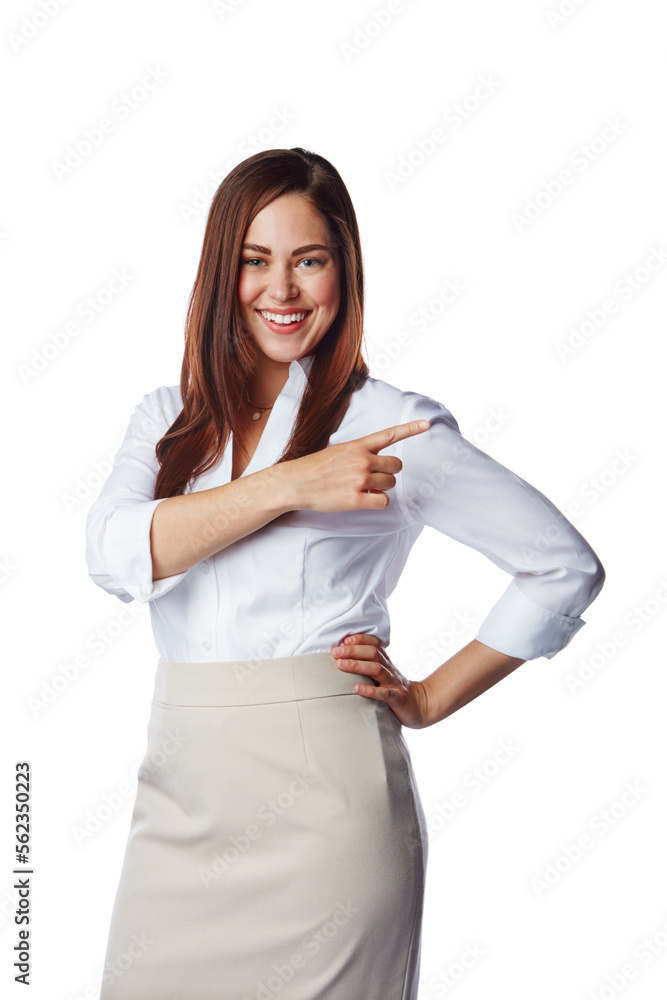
x,y
282,285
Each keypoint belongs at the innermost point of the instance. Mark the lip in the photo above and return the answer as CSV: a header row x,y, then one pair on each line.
x,y
278,327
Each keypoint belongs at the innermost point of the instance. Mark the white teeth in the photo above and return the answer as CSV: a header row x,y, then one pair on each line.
x,y
283,320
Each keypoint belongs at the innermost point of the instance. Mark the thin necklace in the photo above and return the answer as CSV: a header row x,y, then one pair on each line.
x,y
259,410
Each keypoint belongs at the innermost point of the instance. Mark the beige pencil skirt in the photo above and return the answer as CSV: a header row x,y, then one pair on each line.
x,y
277,845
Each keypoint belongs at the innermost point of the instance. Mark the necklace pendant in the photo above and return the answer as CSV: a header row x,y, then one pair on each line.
x,y
256,416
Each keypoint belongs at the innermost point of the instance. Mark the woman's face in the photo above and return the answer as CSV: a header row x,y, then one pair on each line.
x,y
288,267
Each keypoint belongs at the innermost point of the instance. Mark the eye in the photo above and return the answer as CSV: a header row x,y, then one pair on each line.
x,y
313,261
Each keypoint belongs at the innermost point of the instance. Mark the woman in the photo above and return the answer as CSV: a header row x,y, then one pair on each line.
x,y
265,511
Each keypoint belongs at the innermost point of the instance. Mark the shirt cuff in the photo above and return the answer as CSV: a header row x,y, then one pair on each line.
x,y
516,626
129,552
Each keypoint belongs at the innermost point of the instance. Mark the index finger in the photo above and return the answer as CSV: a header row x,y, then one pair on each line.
x,y
390,435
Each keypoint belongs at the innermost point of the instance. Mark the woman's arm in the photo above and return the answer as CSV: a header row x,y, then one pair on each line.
x,y
418,704
470,672
139,548
189,528
450,484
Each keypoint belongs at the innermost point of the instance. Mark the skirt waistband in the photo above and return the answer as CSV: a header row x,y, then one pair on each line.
x,y
253,682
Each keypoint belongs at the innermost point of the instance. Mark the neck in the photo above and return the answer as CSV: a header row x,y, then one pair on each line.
x,y
265,386
267,381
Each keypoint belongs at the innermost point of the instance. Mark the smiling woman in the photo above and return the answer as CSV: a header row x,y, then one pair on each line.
x,y
265,509
282,284
288,302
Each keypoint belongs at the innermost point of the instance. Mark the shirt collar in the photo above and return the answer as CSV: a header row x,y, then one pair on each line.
x,y
297,377
304,362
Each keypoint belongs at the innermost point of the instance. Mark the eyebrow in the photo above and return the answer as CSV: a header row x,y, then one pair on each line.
x,y
265,250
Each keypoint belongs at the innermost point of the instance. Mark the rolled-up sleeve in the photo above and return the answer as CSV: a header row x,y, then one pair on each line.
x,y
453,486
118,551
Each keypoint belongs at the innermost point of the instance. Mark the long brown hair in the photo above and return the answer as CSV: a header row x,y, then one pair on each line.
x,y
219,356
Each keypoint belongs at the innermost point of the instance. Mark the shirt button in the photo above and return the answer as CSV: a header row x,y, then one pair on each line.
x,y
206,645
203,567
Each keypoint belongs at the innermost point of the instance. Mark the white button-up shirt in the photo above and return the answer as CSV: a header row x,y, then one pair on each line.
x,y
305,579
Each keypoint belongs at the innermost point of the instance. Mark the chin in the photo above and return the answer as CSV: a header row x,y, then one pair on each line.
x,y
281,356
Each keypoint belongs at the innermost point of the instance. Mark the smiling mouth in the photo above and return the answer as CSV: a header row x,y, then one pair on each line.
x,y
287,321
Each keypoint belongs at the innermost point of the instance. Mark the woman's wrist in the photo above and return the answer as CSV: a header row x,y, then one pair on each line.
x,y
280,495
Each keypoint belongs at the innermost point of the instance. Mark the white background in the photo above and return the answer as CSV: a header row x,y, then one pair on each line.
x,y
585,426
